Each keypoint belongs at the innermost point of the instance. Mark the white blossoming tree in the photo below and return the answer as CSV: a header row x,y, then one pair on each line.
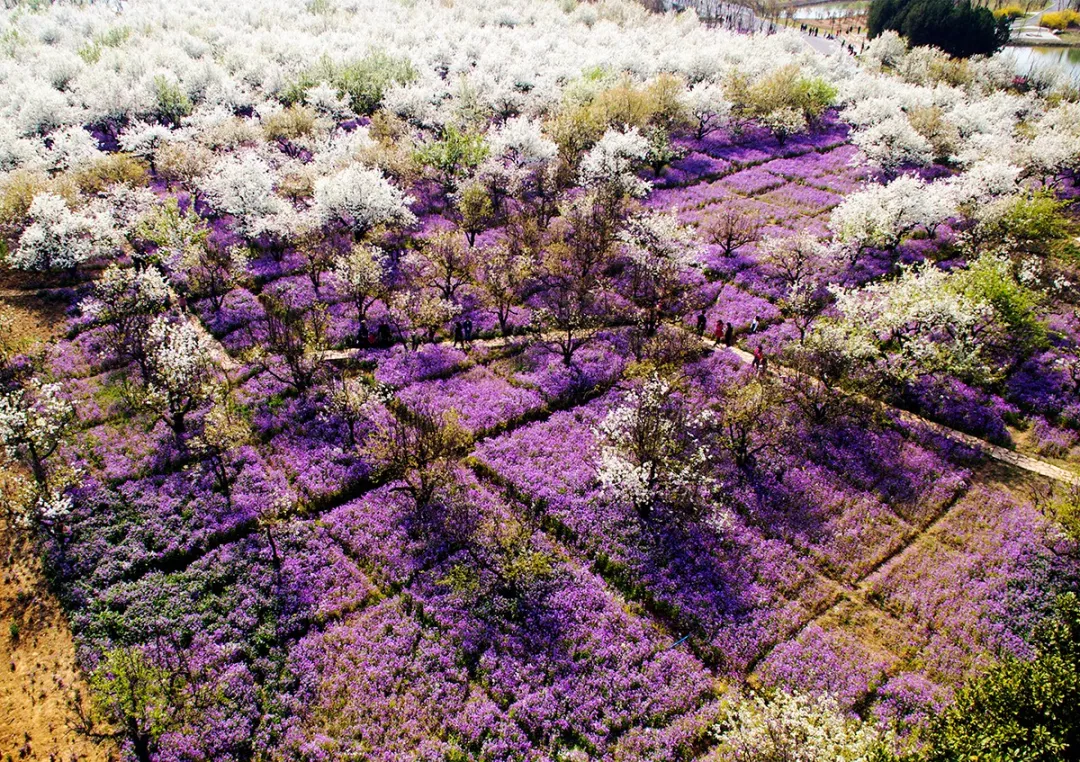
x,y
610,165
881,215
709,106
661,252
180,362
648,451
59,238
794,727
126,301
360,274
33,423
243,186
360,199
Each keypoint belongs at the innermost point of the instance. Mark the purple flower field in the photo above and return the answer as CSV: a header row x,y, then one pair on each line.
x,y
540,418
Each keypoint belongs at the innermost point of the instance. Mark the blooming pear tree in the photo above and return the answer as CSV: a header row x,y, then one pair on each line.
x,y
360,199
59,238
181,366
361,274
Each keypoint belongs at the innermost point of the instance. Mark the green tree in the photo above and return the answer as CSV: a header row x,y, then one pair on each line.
x,y
959,29
1021,711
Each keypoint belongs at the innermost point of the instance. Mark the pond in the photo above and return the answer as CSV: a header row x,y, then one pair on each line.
x,y
1028,58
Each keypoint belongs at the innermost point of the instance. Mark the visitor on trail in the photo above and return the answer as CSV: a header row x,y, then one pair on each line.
x,y
467,331
755,324
758,358
459,340
729,335
384,335
362,332
701,324
718,334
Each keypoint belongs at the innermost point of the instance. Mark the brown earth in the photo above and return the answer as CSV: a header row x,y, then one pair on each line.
x,y
37,655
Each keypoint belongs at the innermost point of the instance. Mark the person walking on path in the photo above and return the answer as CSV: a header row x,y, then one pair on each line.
x,y
701,324
718,334
755,324
759,359
729,336
459,335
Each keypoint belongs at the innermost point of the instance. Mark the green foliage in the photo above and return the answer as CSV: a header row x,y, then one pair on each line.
x,y
591,109
112,169
1021,711
959,29
784,89
452,157
171,103
171,230
291,123
362,82
114,38
1010,12
477,210
992,280
131,692
1036,221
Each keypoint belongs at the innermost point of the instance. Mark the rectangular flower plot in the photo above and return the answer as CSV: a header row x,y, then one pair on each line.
x,y
976,581
801,167
827,660
380,531
231,592
117,452
481,401
844,530
751,182
551,460
697,196
542,367
399,366
732,589
556,649
805,199
163,521
239,308
690,168
219,616
913,480
388,684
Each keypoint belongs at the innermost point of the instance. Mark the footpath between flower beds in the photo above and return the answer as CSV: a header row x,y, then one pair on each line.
x,y
997,452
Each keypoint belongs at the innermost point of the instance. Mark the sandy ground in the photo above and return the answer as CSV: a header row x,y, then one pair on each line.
x,y
37,655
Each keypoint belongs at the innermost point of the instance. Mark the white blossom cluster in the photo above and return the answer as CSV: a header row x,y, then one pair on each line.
x,y
612,163
34,419
181,359
795,727
60,238
361,198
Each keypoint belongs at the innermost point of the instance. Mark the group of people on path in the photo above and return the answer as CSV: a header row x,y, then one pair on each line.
x,y
381,337
463,333
724,333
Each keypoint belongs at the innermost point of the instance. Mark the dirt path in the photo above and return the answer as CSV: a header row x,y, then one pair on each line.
x,y
1002,454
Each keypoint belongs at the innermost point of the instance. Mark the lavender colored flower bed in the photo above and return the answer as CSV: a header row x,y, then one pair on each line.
x,y
481,400
372,423
976,584
400,367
